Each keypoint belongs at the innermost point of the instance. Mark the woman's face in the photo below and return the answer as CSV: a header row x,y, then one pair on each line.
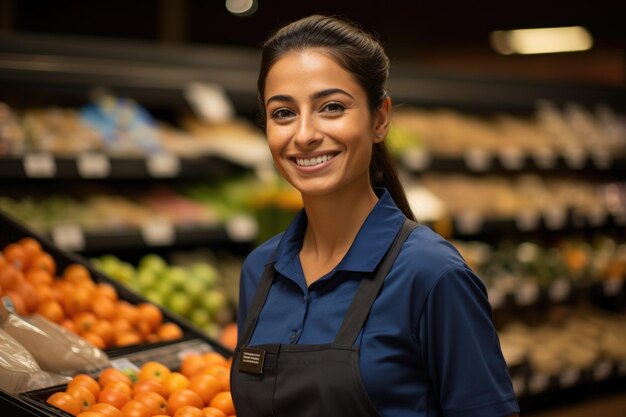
x,y
319,127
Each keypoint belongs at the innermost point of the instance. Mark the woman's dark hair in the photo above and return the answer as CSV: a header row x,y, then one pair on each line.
x,y
358,53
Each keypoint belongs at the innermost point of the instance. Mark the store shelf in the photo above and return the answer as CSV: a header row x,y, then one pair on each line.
x,y
89,166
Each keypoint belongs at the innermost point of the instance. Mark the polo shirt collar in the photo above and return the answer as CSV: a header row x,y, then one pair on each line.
x,y
370,245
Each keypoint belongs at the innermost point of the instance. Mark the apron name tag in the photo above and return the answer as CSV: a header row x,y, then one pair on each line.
x,y
251,360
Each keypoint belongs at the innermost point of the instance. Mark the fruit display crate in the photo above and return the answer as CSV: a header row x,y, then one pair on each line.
x,y
193,339
169,355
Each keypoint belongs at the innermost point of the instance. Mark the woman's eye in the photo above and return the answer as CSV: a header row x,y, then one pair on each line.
x,y
282,114
334,107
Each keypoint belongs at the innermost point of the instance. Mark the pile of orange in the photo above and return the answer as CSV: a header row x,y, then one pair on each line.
x,y
200,388
29,277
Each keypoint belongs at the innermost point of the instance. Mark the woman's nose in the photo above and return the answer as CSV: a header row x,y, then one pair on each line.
x,y
307,132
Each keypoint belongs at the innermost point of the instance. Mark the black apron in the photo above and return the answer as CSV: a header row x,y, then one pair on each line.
x,y
276,380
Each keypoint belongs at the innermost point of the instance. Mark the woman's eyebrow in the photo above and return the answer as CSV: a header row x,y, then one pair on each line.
x,y
317,95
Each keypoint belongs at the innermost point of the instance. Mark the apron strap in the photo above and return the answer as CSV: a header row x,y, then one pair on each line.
x,y
256,305
369,288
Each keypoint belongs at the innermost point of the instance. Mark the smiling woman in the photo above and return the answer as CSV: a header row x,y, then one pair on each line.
x,y
354,309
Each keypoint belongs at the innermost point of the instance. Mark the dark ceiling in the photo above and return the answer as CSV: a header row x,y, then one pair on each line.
x,y
404,26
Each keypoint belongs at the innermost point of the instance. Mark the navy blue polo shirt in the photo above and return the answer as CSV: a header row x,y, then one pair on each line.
x,y
428,347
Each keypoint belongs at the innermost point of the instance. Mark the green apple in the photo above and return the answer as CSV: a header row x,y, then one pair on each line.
x,y
194,287
179,302
152,262
164,287
176,275
146,278
125,272
155,296
206,273
200,317
213,330
213,301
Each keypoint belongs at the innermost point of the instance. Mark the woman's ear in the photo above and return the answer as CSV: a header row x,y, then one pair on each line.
x,y
381,120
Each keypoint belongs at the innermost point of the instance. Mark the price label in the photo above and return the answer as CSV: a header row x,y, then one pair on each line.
x,y
123,364
69,237
163,165
242,228
569,377
469,223
416,159
512,159
612,287
526,293
478,159
158,233
527,220
602,370
538,383
93,165
559,290
555,218
39,165
545,159
496,297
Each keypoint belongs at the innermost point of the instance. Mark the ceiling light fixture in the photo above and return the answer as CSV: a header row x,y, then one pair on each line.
x,y
541,41
241,7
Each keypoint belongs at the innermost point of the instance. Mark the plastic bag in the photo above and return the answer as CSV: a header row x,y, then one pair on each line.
x,y
19,371
55,348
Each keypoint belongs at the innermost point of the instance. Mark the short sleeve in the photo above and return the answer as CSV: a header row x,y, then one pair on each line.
x,y
461,350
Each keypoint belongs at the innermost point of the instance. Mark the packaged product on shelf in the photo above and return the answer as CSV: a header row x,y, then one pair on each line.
x,y
55,348
19,371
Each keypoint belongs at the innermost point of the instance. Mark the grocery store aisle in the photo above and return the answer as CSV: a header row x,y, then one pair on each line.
x,y
609,406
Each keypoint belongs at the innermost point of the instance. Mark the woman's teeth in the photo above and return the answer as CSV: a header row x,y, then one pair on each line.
x,y
307,162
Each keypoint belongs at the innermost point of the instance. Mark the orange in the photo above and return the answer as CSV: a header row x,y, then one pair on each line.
x,y
134,408
51,310
87,381
104,329
189,411
169,331
18,302
156,403
153,370
228,336
31,247
222,374
90,413
44,261
206,386
94,339
44,292
38,276
76,273
183,397
150,314
84,321
121,325
175,381
107,410
213,412
127,338
192,364
224,401
214,358
83,395
107,290
9,276
113,374
114,397
120,386
75,299
27,291
15,255
150,385
65,402
128,311
103,307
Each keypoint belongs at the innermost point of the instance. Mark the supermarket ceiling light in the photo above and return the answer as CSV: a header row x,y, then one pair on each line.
x,y
241,7
541,41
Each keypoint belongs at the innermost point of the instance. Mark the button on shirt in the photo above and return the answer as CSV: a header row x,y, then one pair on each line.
x,y
428,346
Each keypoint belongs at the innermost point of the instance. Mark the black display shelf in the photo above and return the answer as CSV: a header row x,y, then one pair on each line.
x,y
38,166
